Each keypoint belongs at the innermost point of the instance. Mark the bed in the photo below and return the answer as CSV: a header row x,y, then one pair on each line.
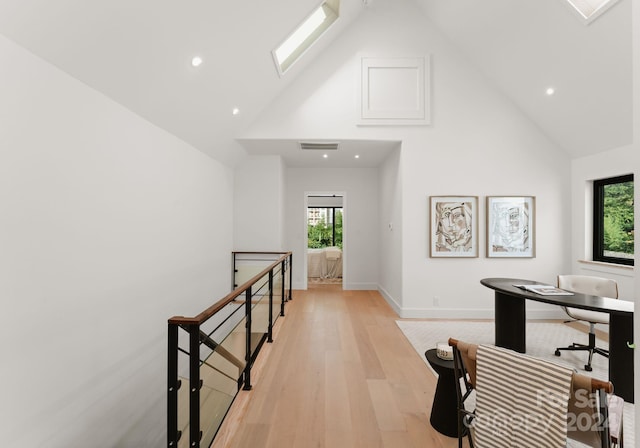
x,y
324,263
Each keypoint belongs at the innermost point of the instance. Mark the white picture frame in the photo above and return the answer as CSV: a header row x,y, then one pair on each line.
x,y
511,226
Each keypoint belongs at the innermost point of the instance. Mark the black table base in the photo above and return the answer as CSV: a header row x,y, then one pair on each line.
x,y
511,325
444,411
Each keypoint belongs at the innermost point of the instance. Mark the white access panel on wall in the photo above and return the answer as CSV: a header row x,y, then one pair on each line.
x,y
394,91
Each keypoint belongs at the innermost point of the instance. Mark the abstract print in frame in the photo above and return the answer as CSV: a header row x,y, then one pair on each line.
x,y
510,226
453,229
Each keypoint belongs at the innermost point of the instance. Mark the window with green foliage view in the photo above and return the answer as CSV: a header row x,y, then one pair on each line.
x,y
324,227
613,231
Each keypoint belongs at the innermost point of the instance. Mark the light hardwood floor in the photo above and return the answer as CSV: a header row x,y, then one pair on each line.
x,y
340,373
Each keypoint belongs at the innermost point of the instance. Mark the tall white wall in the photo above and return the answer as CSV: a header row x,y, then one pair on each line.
x,y
614,162
359,187
478,144
390,225
258,206
635,10
108,227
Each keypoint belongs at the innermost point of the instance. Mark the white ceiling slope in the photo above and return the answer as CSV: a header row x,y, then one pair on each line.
x,y
138,53
526,46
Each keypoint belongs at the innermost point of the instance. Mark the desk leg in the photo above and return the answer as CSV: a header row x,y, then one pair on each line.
x,y
621,356
510,322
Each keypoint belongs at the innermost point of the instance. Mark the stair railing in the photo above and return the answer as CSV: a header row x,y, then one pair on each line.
x,y
210,355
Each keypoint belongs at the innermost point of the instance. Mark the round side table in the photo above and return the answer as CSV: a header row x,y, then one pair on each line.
x,y
444,412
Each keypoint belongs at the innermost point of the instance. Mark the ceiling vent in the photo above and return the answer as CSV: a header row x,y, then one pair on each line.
x,y
319,146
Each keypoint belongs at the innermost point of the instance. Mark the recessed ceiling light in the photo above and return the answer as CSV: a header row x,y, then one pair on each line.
x,y
326,156
196,61
357,156
550,91
235,111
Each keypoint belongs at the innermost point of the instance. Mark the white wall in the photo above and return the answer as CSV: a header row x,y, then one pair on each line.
x,y
610,163
478,144
390,229
635,10
108,227
360,221
258,205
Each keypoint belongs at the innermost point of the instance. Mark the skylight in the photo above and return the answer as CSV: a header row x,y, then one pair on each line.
x,y
590,9
305,35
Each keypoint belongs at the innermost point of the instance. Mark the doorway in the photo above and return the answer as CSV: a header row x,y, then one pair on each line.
x,y
324,218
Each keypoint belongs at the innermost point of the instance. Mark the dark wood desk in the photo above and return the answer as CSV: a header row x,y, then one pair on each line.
x,y
510,323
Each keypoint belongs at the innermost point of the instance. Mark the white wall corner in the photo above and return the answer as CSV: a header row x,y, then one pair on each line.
x,y
299,285
390,300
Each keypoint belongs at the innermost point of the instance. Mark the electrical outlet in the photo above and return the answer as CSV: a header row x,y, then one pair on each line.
x,y
436,301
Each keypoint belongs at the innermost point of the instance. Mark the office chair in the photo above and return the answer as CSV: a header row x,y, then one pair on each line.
x,y
464,366
595,286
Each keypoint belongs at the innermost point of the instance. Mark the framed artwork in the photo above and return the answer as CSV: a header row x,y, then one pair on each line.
x,y
511,226
453,226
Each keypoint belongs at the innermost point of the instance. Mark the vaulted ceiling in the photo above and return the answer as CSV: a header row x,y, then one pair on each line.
x,y
524,47
139,54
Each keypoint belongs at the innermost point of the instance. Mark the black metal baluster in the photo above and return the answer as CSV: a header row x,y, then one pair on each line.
x,y
247,369
173,383
282,292
290,274
270,331
194,384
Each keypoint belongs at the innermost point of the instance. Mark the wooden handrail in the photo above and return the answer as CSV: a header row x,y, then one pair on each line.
x,y
597,384
242,299
220,304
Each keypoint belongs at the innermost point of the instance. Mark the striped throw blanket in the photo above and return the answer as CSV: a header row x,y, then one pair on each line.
x,y
521,401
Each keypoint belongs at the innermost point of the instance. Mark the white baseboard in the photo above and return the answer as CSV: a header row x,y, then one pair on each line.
x,y
479,313
463,313
392,303
444,313
352,286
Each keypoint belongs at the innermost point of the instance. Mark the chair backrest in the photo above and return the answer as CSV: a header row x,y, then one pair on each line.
x,y
588,398
587,284
587,409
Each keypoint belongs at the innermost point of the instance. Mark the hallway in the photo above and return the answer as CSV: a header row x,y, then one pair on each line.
x,y
339,374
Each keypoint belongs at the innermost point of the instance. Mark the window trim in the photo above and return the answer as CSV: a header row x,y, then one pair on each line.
x,y
330,10
589,10
333,221
598,220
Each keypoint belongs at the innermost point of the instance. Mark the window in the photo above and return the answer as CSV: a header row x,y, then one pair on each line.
x,y
613,220
589,10
305,35
324,227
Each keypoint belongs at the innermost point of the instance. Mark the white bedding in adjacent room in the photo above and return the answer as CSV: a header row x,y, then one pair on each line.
x,y
324,263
